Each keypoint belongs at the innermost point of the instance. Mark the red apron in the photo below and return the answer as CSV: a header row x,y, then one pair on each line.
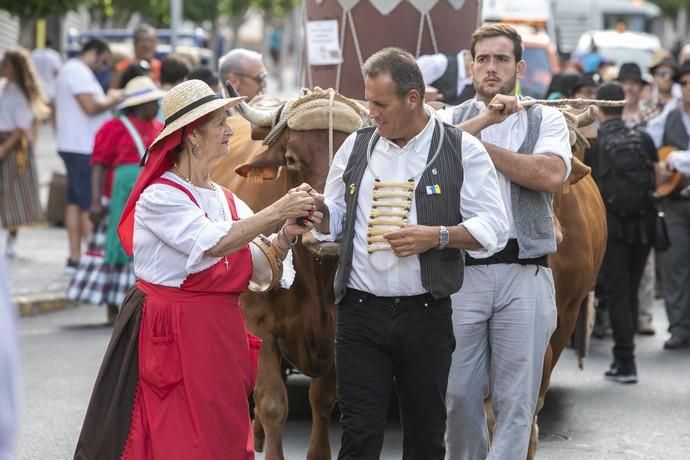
x,y
197,365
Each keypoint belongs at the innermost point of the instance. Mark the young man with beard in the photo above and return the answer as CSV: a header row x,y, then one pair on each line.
x,y
394,310
505,313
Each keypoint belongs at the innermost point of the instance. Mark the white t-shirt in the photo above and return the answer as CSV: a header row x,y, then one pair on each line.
x,y
47,62
76,130
171,234
510,134
15,111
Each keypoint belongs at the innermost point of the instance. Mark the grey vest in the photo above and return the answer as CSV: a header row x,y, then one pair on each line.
x,y
675,133
532,210
442,270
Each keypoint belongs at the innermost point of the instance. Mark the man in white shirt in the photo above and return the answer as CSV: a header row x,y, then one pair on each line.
x,y
405,198
81,108
506,311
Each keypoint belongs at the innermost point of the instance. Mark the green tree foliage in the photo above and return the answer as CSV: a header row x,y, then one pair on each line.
x,y
39,8
670,8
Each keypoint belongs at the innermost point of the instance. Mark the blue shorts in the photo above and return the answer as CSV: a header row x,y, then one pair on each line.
x,y
78,179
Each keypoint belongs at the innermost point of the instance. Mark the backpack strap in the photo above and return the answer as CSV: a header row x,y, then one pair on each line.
x,y
134,134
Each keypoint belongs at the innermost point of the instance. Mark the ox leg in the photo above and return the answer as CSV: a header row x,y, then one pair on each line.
x,y
322,400
270,398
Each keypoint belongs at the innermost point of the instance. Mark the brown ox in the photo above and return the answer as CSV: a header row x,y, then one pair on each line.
x,y
297,325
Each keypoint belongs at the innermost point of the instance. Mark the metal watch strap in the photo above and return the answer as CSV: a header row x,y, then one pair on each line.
x,y
443,237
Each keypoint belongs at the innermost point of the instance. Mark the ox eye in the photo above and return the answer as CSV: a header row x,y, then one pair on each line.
x,y
290,161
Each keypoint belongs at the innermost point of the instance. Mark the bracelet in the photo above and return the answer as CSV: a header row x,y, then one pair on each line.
x,y
291,244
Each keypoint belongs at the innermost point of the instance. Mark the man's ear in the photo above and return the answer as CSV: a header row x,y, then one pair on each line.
x,y
414,98
521,67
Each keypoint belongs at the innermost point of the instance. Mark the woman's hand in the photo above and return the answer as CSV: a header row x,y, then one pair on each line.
x,y
293,229
296,203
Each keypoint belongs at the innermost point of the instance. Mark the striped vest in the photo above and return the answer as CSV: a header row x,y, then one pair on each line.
x,y
442,270
532,210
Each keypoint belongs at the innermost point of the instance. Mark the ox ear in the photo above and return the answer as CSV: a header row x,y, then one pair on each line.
x,y
578,171
262,167
259,133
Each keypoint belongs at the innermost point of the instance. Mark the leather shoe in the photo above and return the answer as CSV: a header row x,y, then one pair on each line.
x,y
675,342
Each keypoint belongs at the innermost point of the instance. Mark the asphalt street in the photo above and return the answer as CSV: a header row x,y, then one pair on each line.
x,y
585,417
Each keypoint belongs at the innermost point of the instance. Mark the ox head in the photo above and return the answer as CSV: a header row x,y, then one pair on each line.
x,y
301,136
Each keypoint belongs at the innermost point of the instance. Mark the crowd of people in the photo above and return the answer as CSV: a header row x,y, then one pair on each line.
x,y
471,307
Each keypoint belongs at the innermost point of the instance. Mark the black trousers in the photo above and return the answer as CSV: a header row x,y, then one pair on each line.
x,y
621,274
382,339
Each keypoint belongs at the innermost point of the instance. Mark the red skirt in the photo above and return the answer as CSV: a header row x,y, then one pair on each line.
x,y
184,395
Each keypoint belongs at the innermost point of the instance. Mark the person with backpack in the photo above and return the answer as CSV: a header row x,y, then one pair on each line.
x,y
623,162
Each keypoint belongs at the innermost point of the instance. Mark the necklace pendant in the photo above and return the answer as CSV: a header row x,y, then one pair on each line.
x,y
227,264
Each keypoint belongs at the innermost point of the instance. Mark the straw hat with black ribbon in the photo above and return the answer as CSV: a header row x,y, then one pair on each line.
x,y
185,107
140,90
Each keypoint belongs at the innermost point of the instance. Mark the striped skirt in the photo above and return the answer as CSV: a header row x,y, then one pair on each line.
x,y
19,200
96,282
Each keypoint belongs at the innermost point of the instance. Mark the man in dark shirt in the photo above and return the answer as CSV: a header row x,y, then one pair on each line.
x,y
623,166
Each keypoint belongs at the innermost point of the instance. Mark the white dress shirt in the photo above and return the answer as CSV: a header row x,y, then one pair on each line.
x,y
383,273
171,234
656,126
510,134
680,161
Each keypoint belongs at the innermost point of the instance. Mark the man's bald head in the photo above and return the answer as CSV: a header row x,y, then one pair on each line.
x,y
245,70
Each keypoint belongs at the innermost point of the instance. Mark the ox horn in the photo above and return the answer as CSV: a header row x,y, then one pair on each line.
x,y
588,117
257,117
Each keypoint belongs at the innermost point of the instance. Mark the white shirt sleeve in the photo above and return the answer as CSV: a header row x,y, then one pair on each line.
x,y
446,115
680,161
554,138
170,215
335,191
22,113
481,205
655,128
433,66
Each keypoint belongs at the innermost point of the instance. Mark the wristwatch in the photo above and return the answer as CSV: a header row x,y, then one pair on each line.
x,y
443,237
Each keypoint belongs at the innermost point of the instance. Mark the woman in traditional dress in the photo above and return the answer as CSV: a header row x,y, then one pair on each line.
x,y
105,273
176,376
21,102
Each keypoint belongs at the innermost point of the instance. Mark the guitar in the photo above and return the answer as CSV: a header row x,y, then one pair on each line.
x,y
675,181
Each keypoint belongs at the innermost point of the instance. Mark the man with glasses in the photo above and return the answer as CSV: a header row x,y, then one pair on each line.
x,y
672,128
662,69
245,70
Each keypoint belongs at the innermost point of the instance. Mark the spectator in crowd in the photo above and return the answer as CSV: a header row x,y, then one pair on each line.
x,y
47,62
207,76
81,108
145,42
630,78
449,74
670,129
21,103
662,69
245,70
174,70
9,368
585,87
105,274
135,69
622,165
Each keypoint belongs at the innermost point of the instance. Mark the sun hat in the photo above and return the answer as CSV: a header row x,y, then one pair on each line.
x,y
185,107
140,90
659,58
189,101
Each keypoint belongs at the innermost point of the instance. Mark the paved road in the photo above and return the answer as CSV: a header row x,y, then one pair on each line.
x,y
585,417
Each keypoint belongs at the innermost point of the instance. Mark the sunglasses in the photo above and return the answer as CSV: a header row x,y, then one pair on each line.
x,y
259,79
663,74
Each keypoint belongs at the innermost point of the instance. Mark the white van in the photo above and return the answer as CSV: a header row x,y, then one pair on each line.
x,y
619,47
574,18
